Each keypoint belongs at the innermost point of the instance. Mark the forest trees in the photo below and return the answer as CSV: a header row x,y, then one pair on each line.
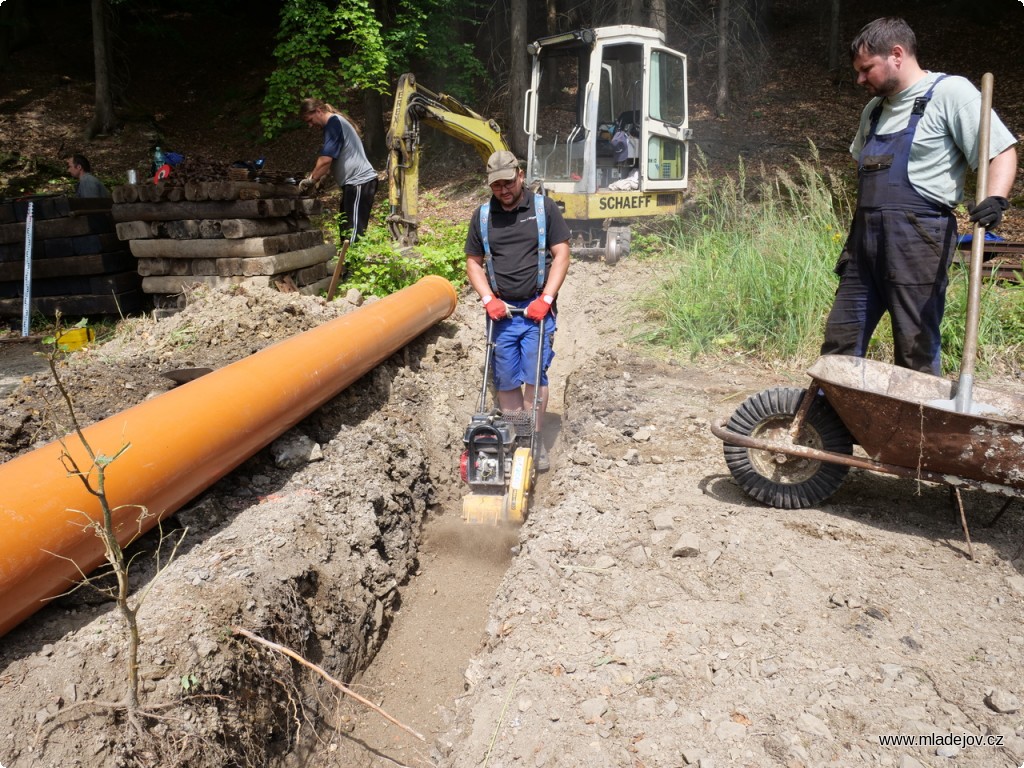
x,y
322,50
340,50
336,49
103,120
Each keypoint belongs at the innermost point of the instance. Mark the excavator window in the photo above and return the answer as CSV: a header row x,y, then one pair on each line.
x,y
667,98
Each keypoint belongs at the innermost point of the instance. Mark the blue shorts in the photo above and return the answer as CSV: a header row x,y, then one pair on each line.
x,y
515,349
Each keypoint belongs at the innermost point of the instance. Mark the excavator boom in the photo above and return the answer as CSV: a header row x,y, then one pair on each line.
x,y
414,106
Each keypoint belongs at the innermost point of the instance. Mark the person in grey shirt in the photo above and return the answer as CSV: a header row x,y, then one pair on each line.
x,y
917,137
341,155
88,185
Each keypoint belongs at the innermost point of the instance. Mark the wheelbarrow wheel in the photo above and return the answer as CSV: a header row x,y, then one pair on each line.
x,y
776,478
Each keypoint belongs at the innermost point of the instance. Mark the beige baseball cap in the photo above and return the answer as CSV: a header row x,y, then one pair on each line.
x,y
502,166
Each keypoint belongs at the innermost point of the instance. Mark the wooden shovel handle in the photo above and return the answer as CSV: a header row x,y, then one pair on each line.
x,y
338,268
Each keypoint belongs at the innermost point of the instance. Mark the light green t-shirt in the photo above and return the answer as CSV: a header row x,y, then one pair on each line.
x,y
946,139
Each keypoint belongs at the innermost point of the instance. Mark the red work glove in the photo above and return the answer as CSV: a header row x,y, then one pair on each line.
x,y
539,308
496,308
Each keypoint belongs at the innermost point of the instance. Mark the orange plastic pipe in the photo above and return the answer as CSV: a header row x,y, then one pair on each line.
x,y
184,440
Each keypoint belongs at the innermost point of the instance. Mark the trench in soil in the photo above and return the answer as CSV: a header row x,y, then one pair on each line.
x,y
309,561
441,624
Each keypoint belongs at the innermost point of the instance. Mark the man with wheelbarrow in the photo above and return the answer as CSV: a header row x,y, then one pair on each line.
x,y
916,139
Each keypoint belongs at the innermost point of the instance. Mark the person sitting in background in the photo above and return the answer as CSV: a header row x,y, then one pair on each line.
x,y
88,185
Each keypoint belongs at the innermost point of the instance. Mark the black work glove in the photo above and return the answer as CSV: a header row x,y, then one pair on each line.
x,y
989,212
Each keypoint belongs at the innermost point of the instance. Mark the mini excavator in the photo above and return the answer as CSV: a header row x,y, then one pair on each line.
x,y
607,123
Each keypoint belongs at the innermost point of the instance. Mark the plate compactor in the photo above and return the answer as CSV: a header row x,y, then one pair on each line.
x,y
498,459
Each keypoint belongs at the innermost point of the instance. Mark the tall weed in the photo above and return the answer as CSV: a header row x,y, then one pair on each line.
x,y
750,271
375,267
1000,323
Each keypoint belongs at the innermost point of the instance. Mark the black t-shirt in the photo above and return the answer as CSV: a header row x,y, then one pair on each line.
x,y
513,239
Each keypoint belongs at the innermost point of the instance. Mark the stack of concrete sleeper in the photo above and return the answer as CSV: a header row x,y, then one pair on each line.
x,y
78,265
221,233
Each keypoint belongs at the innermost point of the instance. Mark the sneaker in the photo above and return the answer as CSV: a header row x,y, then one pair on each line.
x,y
543,465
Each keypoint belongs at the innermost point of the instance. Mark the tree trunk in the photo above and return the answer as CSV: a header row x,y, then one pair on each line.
x,y
518,77
635,13
833,42
657,16
762,9
723,57
15,28
103,119
374,140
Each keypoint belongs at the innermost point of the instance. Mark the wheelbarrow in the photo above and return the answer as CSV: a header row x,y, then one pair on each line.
x,y
791,448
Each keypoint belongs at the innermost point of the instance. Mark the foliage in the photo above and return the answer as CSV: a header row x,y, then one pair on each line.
x,y
425,36
1000,323
323,50
327,49
375,267
751,272
651,238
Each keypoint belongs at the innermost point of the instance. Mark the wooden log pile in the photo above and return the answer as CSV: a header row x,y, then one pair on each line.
x,y
79,265
198,228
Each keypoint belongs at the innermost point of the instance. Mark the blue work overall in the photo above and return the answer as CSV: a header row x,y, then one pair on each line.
x,y
896,257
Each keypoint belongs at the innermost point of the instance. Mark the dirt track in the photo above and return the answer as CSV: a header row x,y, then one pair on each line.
x,y
787,638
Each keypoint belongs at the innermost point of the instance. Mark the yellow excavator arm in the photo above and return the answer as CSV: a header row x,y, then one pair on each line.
x,y
415,105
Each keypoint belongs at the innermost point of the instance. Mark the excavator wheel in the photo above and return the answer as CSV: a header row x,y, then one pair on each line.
x,y
616,244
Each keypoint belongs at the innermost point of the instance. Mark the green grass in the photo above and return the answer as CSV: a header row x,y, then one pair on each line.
x,y
749,271
1000,326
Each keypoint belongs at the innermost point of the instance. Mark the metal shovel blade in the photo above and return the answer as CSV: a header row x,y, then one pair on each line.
x,y
185,375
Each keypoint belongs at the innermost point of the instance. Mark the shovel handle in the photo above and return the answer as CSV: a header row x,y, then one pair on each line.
x,y
338,269
977,244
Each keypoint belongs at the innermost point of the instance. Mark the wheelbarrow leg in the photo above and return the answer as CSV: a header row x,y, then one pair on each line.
x,y
994,520
955,494
1002,510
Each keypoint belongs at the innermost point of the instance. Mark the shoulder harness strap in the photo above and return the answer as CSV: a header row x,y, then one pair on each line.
x,y
485,221
542,239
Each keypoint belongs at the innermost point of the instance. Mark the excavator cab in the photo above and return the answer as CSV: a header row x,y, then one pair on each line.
x,y
608,126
